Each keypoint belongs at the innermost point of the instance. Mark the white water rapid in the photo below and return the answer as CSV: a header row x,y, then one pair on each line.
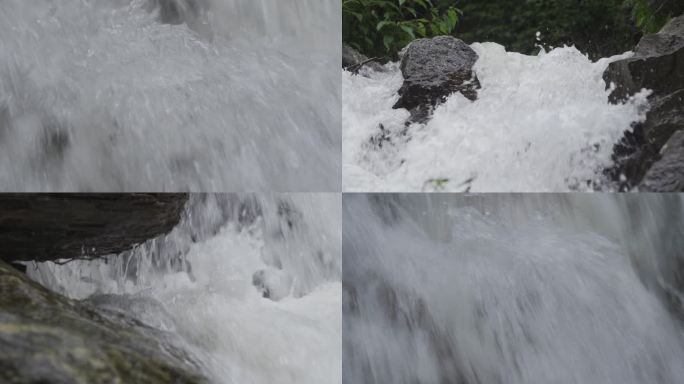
x,y
249,286
169,95
513,289
540,124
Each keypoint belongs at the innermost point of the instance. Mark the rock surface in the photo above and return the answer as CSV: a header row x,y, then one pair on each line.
x,y
47,338
667,174
640,148
658,65
62,226
433,69
273,283
178,11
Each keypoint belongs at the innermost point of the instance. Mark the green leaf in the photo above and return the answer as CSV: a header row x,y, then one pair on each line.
x,y
408,30
383,23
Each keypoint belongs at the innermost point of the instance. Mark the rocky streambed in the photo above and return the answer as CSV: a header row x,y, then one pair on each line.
x,y
523,123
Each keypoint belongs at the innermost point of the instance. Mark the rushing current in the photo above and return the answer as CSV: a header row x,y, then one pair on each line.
x,y
513,289
540,124
249,286
169,95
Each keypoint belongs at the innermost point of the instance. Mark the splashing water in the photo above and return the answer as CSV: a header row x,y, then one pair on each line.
x,y
513,289
169,95
249,286
540,123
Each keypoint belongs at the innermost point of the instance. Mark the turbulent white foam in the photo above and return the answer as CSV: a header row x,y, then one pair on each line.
x,y
209,300
509,289
540,123
100,95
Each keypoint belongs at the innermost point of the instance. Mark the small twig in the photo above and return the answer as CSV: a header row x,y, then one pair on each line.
x,y
72,259
356,67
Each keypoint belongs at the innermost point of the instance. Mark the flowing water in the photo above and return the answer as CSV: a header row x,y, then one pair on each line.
x,y
249,286
202,95
540,124
513,289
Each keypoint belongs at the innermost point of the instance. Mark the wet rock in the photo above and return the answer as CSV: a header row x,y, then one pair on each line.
x,y
55,140
47,338
273,283
146,309
63,226
193,13
658,65
4,120
387,207
640,148
405,311
178,11
433,69
289,216
664,119
667,174
353,60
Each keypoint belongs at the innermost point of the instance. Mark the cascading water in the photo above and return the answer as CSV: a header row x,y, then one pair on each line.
x,y
249,286
540,124
201,95
513,288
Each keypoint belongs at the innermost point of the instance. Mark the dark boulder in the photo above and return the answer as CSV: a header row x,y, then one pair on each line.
x,y
433,69
667,174
658,65
640,148
47,338
44,227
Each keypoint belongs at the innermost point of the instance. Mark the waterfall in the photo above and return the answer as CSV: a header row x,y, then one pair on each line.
x,y
169,95
249,285
513,288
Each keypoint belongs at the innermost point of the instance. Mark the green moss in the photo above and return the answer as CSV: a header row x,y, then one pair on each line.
x,y
45,336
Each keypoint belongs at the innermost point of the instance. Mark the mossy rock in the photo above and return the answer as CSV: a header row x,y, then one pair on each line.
x,y
48,338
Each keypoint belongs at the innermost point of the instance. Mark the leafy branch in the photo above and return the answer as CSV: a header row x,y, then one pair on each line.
x,y
383,27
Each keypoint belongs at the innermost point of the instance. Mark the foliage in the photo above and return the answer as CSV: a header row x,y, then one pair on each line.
x,y
383,27
435,185
598,27
652,15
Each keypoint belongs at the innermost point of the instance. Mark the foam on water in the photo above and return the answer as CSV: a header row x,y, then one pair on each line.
x,y
540,123
199,284
99,95
511,289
